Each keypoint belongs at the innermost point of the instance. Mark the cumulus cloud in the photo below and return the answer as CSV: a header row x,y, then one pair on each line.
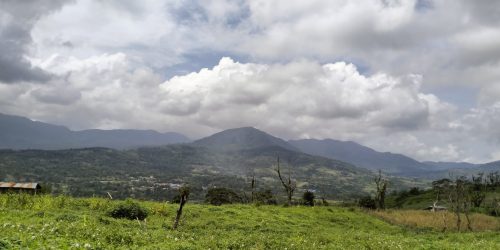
x,y
300,99
374,72
304,95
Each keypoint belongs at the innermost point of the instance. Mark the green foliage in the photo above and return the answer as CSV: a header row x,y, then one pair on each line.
x,y
219,196
477,189
128,210
4,244
415,191
265,197
308,198
176,199
147,173
367,202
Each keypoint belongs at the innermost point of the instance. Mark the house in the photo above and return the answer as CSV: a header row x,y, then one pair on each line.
x,y
30,187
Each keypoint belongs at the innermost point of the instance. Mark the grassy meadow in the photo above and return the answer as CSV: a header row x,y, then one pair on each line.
x,y
48,222
442,220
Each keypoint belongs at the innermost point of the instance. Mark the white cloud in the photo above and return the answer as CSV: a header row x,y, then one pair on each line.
x,y
299,90
300,99
108,62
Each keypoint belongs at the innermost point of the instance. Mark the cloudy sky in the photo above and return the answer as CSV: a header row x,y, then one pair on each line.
x,y
415,77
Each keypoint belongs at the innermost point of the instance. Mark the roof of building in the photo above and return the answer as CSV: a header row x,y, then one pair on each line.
x,y
25,185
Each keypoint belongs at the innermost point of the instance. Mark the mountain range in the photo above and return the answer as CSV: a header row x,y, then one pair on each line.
x,y
22,133
361,156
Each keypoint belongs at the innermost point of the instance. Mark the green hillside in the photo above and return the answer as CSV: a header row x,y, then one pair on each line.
x,y
38,222
152,173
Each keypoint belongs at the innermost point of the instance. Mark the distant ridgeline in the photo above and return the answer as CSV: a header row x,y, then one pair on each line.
x,y
21,133
226,159
149,172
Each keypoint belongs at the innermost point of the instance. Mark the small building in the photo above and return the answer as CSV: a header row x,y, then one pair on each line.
x,y
29,187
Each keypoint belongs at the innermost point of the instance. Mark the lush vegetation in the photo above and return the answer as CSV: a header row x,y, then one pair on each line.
x,y
155,173
482,195
63,222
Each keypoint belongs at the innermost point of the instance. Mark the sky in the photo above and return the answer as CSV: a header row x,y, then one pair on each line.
x,y
420,78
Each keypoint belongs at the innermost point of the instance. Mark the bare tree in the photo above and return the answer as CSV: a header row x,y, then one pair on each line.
x,y
441,188
381,184
288,184
184,194
460,200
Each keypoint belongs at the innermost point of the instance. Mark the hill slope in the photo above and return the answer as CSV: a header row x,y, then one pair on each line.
x,y
225,159
450,165
362,156
84,172
68,223
21,133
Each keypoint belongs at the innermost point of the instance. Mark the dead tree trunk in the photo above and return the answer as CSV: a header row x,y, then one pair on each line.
x,y
253,188
467,202
288,185
466,212
381,190
184,193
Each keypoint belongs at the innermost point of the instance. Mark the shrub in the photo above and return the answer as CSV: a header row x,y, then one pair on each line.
x,y
219,196
265,197
128,210
367,202
308,198
176,199
415,191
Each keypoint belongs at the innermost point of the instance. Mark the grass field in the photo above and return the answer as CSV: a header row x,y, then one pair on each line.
x,y
45,222
442,220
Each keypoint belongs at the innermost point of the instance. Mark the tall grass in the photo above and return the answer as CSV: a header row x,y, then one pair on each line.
x,y
442,220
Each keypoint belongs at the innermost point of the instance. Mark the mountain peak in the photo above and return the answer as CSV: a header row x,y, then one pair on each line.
x,y
242,138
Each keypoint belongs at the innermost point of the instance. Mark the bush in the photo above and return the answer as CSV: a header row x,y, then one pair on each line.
x,y
265,197
128,210
176,199
415,191
308,198
219,196
367,202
